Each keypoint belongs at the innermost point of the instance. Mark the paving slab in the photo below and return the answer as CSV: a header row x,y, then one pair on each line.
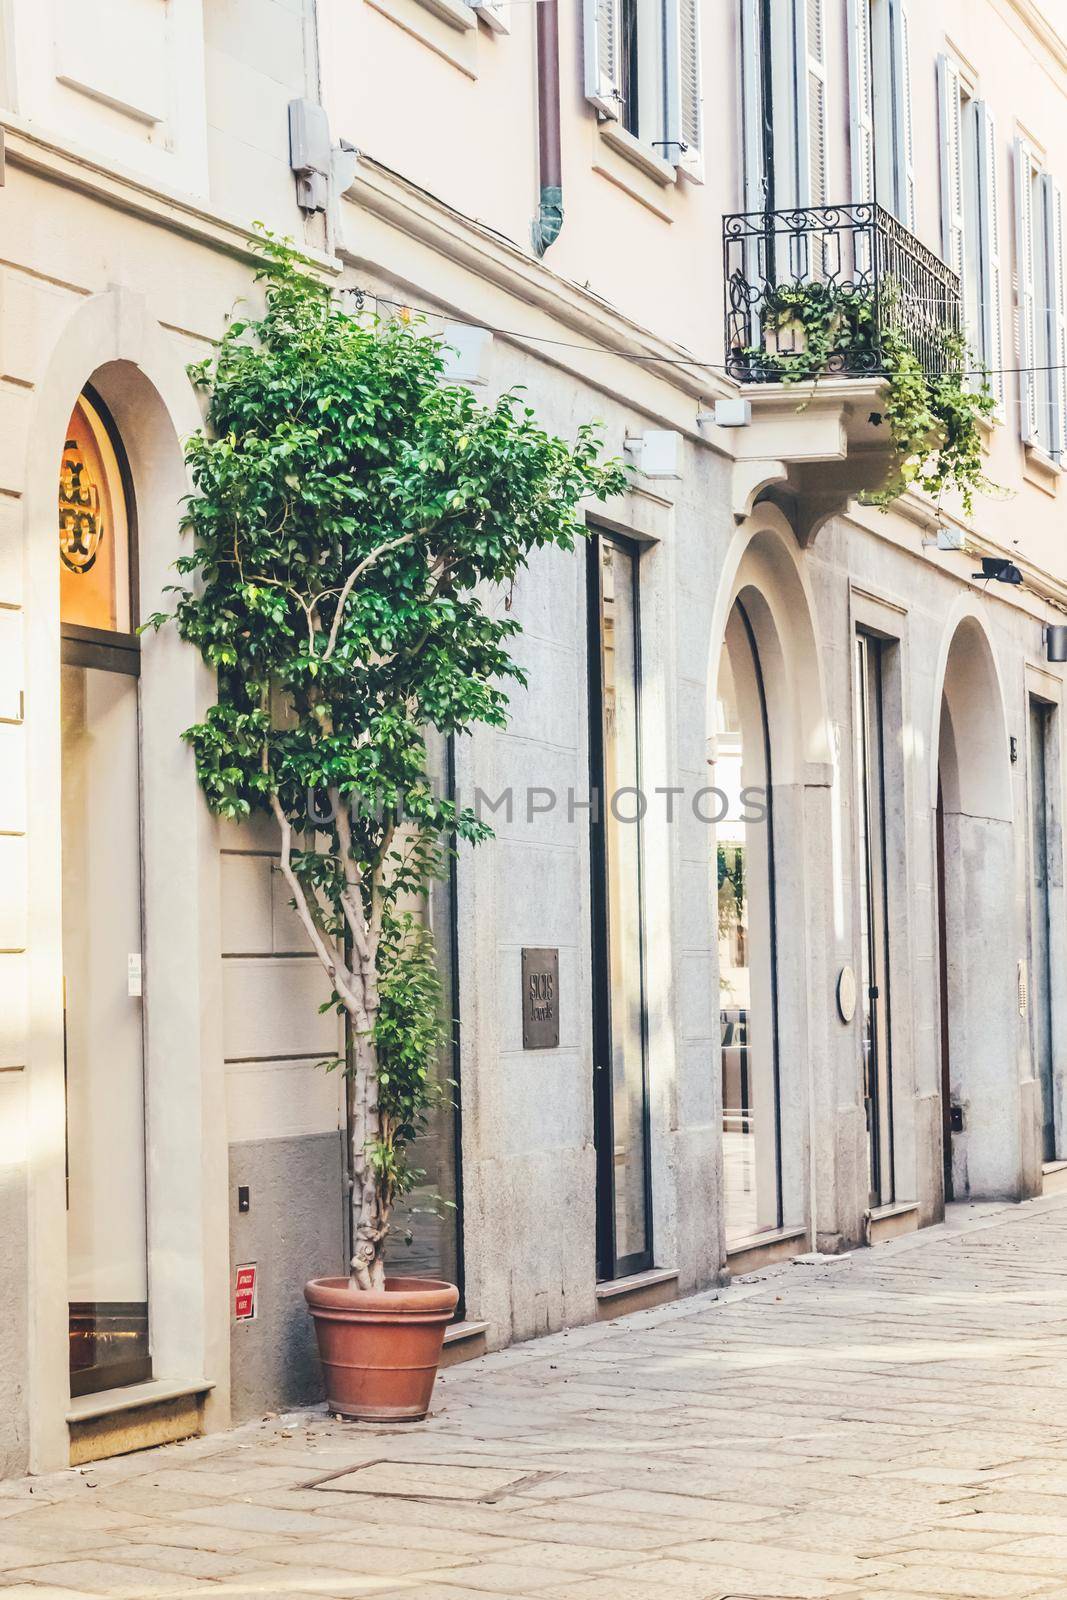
x,y
890,1425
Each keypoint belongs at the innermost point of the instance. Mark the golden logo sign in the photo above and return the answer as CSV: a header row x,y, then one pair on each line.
x,y
80,526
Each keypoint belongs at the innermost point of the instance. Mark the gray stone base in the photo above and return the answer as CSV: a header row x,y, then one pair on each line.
x,y
293,1230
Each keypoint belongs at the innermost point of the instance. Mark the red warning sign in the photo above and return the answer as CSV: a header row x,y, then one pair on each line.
x,y
244,1293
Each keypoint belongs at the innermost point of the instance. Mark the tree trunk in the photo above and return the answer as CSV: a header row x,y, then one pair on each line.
x,y
370,1215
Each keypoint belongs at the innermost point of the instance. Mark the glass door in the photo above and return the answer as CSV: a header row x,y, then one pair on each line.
x,y
751,1097
425,1240
874,926
1041,724
102,924
620,1089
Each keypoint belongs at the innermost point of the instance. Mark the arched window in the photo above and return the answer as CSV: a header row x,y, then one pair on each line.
x,y
94,533
102,917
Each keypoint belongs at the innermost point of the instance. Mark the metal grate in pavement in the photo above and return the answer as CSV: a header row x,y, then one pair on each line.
x,y
428,1480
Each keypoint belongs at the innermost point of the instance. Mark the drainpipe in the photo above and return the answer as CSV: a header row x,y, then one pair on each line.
x,y
549,218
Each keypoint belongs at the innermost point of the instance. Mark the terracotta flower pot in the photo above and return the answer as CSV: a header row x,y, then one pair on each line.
x,y
380,1348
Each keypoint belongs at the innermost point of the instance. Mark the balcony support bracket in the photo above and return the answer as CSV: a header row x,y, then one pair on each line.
x,y
751,480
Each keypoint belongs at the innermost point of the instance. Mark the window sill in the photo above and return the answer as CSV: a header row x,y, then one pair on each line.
x,y
620,1297
109,1402
639,155
455,12
763,1250
1040,469
891,1221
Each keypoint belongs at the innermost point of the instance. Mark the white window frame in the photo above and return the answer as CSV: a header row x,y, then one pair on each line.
x,y
669,77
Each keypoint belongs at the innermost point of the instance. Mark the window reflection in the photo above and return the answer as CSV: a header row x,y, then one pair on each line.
x,y
425,1237
102,937
94,570
749,1065
621,1103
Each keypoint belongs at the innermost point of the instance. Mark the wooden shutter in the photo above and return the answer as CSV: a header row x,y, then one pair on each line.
x,y
1057,316
685,146
1025,309
861,100
950,122
989,314
602,30
904,143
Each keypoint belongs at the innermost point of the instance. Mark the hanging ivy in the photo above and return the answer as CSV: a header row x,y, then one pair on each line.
x,y
934,417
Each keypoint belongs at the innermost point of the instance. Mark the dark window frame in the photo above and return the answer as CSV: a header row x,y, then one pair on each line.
x,y
772,912
866,641
610,1266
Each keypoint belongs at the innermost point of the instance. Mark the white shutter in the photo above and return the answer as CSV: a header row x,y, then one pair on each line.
x,y
809,35
991,328
787,48
950,121
602,32
753,177
861,100
904,151
1057,317
492,12
685,142
1025,311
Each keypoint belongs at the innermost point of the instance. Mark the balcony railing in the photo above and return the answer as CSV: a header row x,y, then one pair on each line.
x,y
855,268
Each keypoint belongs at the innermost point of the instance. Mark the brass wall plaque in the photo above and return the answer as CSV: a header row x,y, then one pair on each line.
x,y
540,999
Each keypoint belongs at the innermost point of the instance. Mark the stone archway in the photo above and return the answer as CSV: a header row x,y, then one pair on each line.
x,y
111,342
977,957
768,727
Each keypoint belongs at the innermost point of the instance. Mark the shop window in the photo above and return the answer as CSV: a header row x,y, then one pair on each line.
x,y
102,917
751,1098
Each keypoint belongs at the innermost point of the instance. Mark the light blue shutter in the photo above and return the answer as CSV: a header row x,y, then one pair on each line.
x,y
992,328
1025,297
950,122
685,137
904,141
861,101
1057,317
601,33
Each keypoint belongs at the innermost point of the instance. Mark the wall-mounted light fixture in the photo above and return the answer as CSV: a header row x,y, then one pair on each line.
x,y
657,452
999,570
1056,641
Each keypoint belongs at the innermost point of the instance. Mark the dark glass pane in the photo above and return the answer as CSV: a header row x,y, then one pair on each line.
x,y
425,1237
744,851
106,1206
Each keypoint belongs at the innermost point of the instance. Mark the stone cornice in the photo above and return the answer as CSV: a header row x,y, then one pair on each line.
x,y
489,258
1046,35
60,162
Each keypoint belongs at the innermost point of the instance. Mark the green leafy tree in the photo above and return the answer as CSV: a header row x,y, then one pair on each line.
x,y
353,516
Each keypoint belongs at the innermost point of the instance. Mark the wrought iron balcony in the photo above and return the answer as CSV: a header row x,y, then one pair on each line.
x,y
853,271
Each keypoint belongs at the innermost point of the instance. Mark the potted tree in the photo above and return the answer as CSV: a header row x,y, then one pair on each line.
x,y
353,518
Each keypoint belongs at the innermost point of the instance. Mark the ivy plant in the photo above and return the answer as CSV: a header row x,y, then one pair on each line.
x,y
353,518
934,416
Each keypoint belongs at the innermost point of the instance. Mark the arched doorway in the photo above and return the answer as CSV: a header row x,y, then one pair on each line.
x,y
976,950
746,926
110,353
101,851
771,762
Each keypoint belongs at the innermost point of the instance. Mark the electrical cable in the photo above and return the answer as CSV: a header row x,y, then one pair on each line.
x,y
669,361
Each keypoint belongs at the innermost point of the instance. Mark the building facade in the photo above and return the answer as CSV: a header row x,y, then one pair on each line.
x,y
778,815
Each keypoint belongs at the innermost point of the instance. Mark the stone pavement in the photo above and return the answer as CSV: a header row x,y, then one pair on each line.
x,y
888,1425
